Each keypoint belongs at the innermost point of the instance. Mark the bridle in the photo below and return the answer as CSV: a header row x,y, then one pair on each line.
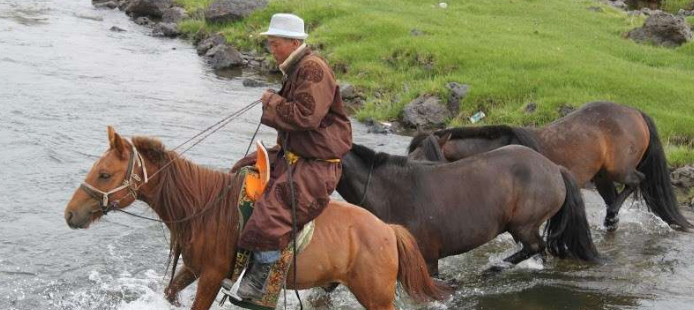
x,y
129,182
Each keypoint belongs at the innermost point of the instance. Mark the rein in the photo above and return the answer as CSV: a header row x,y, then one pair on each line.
x,y
366,187
136,158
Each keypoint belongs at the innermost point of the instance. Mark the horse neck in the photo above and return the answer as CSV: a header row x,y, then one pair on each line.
x,y
183,189
386,176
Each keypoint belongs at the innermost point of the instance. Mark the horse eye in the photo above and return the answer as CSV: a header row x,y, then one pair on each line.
x,y
104,175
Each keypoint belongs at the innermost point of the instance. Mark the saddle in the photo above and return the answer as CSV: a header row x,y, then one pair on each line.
x,y
255,180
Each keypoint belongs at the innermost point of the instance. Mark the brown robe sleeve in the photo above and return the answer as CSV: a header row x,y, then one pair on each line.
x,y
314,93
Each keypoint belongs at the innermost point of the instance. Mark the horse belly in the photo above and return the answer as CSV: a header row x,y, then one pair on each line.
x,y
344,236
478,214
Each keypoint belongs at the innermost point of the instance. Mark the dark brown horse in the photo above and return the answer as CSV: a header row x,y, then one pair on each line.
x,y
453,208
602,142
350,246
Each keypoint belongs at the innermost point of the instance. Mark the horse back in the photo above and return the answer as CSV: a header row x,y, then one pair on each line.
x,y
480,196
599,135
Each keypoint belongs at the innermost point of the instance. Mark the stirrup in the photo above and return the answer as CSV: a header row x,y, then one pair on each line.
x,y
228,292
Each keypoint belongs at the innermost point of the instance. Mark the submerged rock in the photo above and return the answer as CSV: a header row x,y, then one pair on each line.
x,y
223,57
253,83
105,4
377,127
143,21
166,30
206,44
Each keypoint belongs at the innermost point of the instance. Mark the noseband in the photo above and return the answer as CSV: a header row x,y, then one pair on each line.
x,y
129,183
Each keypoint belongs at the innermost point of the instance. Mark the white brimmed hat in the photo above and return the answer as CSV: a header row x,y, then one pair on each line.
x,y
286,26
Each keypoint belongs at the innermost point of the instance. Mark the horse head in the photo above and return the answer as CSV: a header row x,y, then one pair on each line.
x,y
428,147
111,184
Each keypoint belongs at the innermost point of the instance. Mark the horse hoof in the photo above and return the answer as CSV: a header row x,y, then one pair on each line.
x,y
172,297
611,224
493,270
452,283
174,302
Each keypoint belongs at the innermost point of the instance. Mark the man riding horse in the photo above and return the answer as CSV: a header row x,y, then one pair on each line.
x,y
313,133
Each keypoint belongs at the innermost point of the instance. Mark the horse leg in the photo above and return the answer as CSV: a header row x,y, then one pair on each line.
x,y
430,250
208,286
532,244
373,279
631,183
183,278
432,259
608,192
374,293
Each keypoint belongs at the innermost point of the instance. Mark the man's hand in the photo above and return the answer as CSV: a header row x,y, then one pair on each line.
x,y
267,95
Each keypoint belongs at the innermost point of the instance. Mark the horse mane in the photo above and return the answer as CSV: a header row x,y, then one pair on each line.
x,y
188,191
515,135
380,159
432,149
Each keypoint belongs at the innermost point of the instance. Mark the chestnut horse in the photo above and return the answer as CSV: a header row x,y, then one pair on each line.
x,y
350,246
455,207
603,142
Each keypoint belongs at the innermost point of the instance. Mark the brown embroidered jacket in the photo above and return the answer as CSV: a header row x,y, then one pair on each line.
x,y
308,112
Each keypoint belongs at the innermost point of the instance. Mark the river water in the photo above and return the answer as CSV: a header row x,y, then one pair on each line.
x,y
64,76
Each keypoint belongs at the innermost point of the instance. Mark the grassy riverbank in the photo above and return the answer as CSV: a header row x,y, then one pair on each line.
x,y
511,52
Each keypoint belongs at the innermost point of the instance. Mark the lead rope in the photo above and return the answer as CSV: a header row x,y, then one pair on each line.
x,y
221,124
294,228
225,121
366,187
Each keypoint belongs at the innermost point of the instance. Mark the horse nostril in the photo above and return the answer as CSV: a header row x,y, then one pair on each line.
x,y
68,216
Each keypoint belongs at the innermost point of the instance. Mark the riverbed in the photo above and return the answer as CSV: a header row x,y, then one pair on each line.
x,y
65,76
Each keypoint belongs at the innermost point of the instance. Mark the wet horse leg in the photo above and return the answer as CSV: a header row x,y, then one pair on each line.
x,y
631,182
183,278
532,244
374,292
208,286
608,192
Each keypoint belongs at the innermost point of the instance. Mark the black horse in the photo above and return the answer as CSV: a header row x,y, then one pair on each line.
x,y
455,207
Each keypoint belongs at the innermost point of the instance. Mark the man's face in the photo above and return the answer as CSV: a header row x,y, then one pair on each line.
x,y
281,48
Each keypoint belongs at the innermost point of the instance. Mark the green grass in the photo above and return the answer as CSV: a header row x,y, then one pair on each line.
x,y
675,5
679,156
511,52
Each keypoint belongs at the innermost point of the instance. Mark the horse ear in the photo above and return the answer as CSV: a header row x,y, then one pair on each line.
x,y
445,139
115,141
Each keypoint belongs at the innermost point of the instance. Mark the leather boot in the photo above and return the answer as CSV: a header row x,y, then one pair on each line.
x,y
253,283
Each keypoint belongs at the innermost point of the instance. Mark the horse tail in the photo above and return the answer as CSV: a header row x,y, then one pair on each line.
x,y
412,270
525,137
656,189
568,232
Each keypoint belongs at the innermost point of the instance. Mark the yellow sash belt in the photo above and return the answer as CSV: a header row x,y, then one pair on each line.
x,y
293,158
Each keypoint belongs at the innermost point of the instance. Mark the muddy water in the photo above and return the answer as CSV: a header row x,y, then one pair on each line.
x,y
64,76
